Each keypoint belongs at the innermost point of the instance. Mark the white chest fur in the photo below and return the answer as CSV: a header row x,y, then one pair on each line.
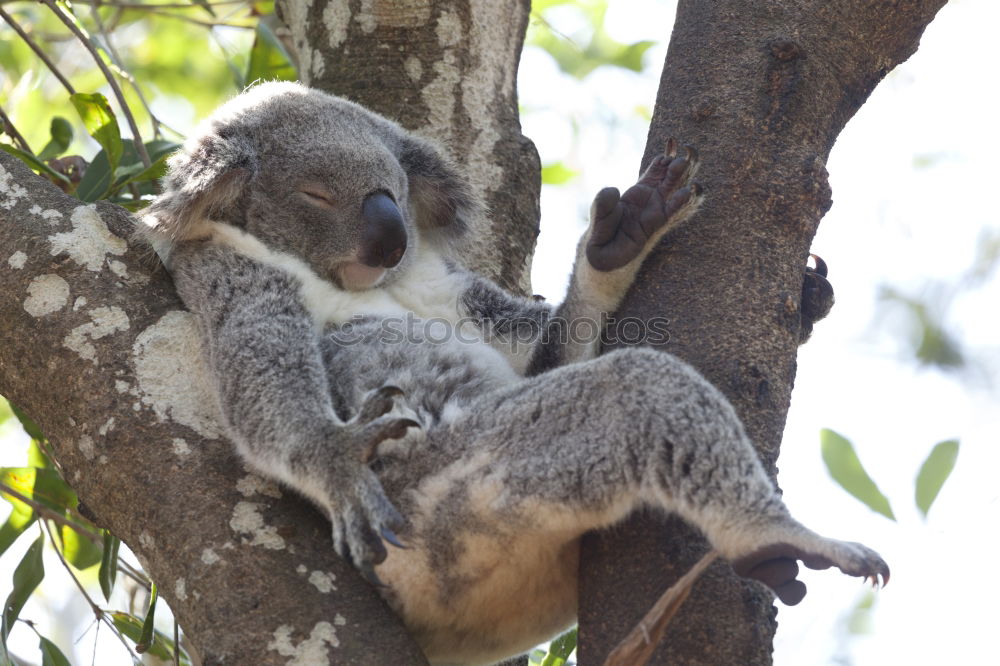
x,y
429,292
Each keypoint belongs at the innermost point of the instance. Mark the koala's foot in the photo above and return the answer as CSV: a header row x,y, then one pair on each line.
x,y
361,514
623,224
817,297
776,564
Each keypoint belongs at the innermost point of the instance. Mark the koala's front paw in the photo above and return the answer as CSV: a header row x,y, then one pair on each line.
x,y
817,297
776,564
361,514
622,225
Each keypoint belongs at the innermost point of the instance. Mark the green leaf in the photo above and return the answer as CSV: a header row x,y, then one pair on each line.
x,y
846,469
37,456
29,426
51,655
145,640
62,135
78,549
41,485
161,646
560,649
269,61
97,182
33,162
109,564
28,574
16,523
558,174
934,472
101,123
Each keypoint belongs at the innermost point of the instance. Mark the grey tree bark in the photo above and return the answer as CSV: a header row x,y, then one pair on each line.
x,y
97,348
762,89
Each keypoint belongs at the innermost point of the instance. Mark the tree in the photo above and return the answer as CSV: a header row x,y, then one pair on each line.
x,y
102,355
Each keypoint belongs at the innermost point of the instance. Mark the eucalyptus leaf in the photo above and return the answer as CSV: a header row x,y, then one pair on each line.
x,y
846,469
269,61
61,133
934,472
34,163
101,123
51,654
29,426
145,640
28,574
108,572
161,646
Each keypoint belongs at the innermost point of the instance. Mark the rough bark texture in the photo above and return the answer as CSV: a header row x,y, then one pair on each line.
x,y
448,71
763,90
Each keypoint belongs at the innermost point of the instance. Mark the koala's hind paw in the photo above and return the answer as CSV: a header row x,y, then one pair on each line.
x,y
776,565
623,224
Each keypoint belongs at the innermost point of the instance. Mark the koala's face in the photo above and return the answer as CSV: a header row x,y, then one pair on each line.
x,y
318,177
338,199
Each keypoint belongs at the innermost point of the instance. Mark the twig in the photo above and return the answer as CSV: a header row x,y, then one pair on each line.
x,y
636,648
177,645
98,611
206,24
38,51
8,127
95,11
82,36
46,512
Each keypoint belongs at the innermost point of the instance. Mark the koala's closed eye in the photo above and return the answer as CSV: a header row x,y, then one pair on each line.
x,y
318,197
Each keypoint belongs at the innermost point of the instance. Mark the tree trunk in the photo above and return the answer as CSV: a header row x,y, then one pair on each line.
x,y
762,90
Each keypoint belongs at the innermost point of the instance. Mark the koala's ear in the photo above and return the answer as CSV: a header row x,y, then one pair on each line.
x,y
442,198
207,176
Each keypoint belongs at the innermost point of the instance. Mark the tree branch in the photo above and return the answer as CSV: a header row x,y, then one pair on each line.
x,y
140,148
763,92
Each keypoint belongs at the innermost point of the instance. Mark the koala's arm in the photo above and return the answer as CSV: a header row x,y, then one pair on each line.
x,y
262,348
624,228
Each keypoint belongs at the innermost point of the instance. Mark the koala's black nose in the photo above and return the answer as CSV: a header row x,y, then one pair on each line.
x,y
384,237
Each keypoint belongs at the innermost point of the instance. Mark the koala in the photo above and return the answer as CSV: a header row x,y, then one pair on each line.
x,y
357,361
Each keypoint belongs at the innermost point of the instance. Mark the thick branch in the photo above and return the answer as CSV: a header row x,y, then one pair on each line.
x,y
98,351
763,90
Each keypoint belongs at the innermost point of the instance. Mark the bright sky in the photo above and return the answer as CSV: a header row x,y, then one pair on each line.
x,y
892,222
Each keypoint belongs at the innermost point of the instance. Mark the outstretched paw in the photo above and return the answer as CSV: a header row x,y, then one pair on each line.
x,y
817,297
622,225
776,565
362,516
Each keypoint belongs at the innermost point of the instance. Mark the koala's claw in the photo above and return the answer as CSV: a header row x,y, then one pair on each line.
x,y
623,224
391,537
378,402
775,565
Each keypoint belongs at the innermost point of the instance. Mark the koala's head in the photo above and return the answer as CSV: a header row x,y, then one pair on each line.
x,y
316,176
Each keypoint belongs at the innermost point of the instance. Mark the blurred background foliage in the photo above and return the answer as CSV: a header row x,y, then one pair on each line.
x,y
173,62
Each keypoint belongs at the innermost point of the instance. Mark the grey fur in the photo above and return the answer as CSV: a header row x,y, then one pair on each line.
x,y
521,446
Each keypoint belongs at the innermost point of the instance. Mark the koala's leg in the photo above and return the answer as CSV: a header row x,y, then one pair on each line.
x,y
584,445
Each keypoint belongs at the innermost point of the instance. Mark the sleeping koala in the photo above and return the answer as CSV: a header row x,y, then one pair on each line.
x,y
357,361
